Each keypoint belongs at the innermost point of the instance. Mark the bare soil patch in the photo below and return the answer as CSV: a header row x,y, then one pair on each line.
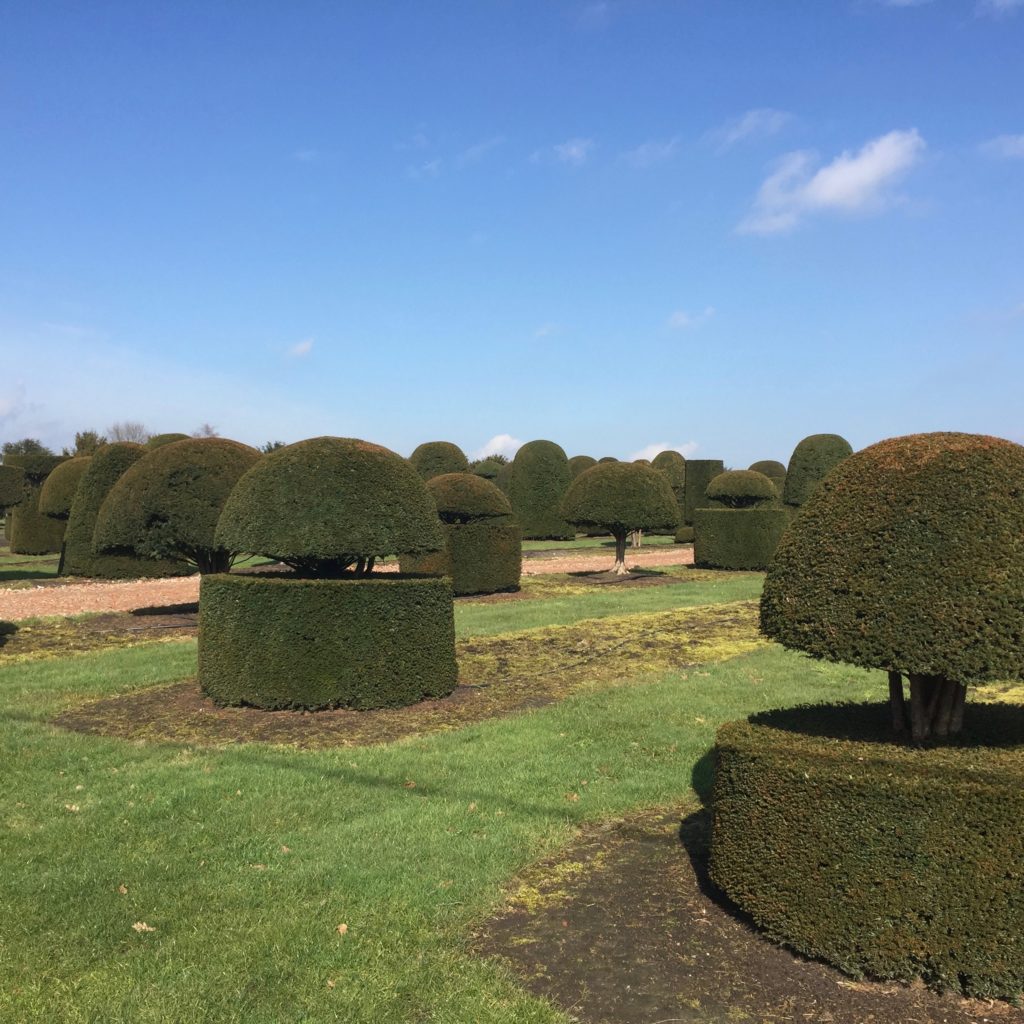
x,y
626,928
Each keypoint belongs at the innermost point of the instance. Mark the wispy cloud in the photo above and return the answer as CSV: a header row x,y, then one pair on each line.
x,y
13,401
547,330
851,183
574,152
760,123
300,349
903,3
1004,147
306,156
999,8
686,449
427,169
595,15
680,320
649,153
475,153
500,444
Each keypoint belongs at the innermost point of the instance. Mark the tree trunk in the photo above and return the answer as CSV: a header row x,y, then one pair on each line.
x,y
897,703
60,564
638,538
936,707
620,554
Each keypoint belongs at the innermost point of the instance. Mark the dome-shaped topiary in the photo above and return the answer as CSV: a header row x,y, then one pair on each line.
x,y
58,493
909,557
539,479
487,468
159,440
330,505
578,463
673,465
699,473
434,458
32,533
167,504
812,460
621,497
741,488
608,458
463,497
12,486
770,468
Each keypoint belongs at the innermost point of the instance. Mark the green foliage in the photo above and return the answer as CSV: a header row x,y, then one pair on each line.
x,y
503,480
737,538
159,440
36,465
673,465
272,446
88,441
578,463
684,535
104,470
58,492
487,468
608,458
434,458
538,481
464,497
32,533
26,446
328,504
12,486
884,860
167,504
909,557
699,473
741,488
279,642
812,459
621,496
775,471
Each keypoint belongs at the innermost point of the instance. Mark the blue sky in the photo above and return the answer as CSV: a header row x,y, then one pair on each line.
x,y
703,224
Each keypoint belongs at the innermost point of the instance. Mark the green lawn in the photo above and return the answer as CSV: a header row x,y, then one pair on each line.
x,y
245,860
650,540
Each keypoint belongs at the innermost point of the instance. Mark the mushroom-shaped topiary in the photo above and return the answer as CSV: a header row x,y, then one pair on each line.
x,y
483,545
32,533
621,497
58,493
741,488
434,458
578,463
167,504
812,460
539,479
487,468
330,506
909,557
775,471
159,440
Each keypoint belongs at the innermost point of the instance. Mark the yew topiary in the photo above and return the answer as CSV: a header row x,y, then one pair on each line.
x,y
159,440
775,471
812,460
487,468
699,473
12,486
32,533
741,488
621,497
58,493
538,481
435,458
578,463
167,504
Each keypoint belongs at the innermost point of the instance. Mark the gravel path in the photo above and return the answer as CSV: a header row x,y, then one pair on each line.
x,y
74,598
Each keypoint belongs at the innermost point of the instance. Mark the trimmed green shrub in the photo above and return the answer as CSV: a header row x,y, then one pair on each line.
x,y
32,533
699,473
737,538
80,559
608,458
435,458
775,471
330,505
621,497
673,465
812,460
741,488
503,481
887,861
58,492
684,535
281,642
578,463
483,545
641,462
487,468
909,558
539,479
12,486
159,440
167,504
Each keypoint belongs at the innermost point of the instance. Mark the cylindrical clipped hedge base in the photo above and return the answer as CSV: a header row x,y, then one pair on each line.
x,y
279,642
482,557
32,533
886,861
699,473
737,538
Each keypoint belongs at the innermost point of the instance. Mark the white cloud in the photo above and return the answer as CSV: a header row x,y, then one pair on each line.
x,y
13,402
680,320
573,152
760,123
595,15
301,349
427,169
1004,147
999,7
500,444
686,449
475,153
852,182
904,3
650,153
546,330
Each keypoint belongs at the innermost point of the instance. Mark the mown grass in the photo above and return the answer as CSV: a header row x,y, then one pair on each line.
x,y
586,543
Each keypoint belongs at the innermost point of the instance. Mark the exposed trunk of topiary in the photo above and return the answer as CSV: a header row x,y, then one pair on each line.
x,y
620,553
638,538
936,708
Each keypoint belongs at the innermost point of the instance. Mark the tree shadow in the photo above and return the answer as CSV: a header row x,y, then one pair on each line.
x,y
7,630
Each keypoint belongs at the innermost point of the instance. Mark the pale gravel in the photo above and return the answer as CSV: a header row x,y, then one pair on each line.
x,y
76,598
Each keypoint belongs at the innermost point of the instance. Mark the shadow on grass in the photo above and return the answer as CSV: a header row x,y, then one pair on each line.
x,y
7,630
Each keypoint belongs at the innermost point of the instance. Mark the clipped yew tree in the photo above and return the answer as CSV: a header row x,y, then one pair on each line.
x,y
483,551
12,492
59,491
33,533
578,463
167,504
621,497
774,470
80,558
742,525
886,838
699,473
487,468
330,633
159,440
435,458
538,481
673,465
812,460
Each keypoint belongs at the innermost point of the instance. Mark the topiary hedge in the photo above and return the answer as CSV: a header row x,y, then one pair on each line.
x,y
887,861
487,468
32,533
740,538
483,545
58,492
538,481
741,488
578,463
812,460
279,642
167,504
12,486
684,535
775,471
435,458
699,473
159,440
